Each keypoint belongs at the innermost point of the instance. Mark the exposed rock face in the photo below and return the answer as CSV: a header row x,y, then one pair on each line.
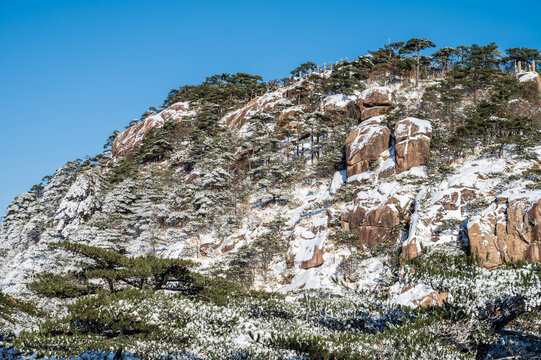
x,y
365,144
375,101
128,139
374,224
378,96
315,261
409,250
375,213
368,112
412,143
439,214
456,197
288,113
237,118
307,242
531,77
510,229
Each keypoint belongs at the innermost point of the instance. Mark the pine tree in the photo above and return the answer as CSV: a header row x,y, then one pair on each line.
x,y
444,55
522,54
416,45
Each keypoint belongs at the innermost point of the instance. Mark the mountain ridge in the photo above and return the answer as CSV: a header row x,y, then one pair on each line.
x,y
360,182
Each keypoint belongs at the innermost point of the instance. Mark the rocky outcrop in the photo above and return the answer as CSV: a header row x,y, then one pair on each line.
x,y
440,213
375,101
339,106
126,141
306,243
315,261
508,230
365,144
237,118
531,77
374,214
287,113
374,224
412,146
368,112
378,96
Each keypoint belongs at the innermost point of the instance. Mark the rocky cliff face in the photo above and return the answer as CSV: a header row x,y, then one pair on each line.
x,y
126,141
394,202
508,230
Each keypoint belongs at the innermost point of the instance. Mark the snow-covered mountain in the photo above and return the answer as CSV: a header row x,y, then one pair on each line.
x,y
301,188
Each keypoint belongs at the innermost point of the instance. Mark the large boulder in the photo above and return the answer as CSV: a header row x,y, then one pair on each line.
x,y
375,101
509,229
412,145
377,96
365,144
375,213
369,112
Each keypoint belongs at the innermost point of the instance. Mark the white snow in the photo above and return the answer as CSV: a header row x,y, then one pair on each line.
x,y
410,297
338,100
338,179
527,76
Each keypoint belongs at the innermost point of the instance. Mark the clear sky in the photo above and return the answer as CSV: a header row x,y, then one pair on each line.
x,y
73,71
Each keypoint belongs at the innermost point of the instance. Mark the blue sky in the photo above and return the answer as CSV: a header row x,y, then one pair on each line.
x,y
73,71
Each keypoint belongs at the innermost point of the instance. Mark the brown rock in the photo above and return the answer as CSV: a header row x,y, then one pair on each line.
x,y
315,261
456,198
357,168
375,224
365,144
507,231
368,112
178,107
236,119
127,140
288,113
418,296
378,96
410,251
412,146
